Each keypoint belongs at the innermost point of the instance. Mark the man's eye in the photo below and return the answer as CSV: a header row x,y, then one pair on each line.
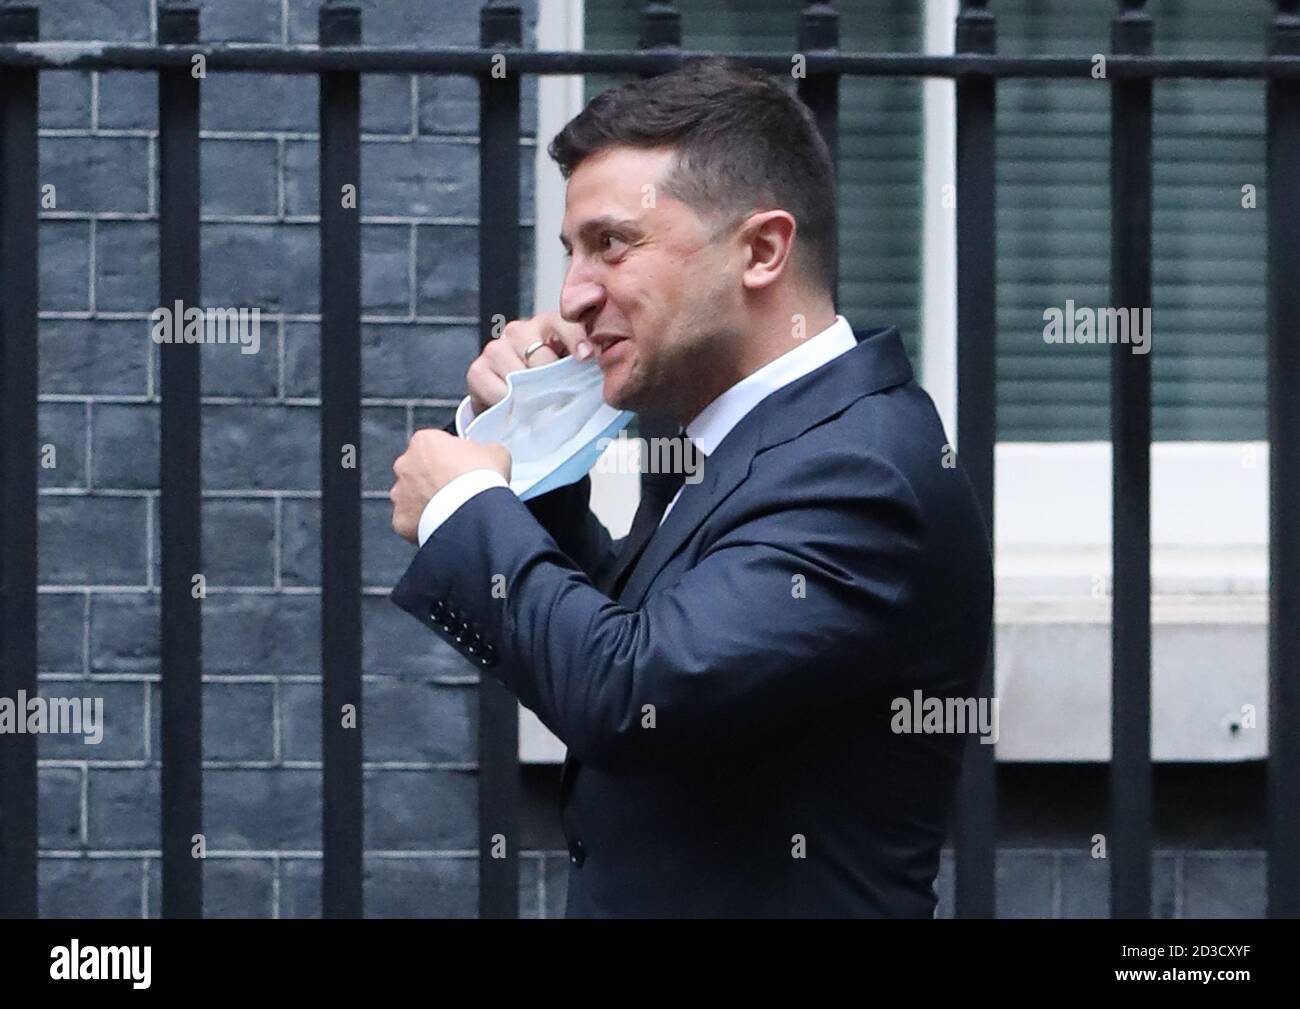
x,y
612,237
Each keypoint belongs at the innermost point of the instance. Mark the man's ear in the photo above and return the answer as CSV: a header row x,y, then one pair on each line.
x,y
768,236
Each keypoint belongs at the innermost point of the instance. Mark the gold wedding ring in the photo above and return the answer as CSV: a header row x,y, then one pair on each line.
x,y
533,347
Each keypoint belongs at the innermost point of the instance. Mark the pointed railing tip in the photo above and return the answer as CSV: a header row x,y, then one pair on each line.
x,y
19,21
178,22
339,23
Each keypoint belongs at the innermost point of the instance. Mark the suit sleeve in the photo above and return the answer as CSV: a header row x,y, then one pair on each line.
x,y
795,609
566,514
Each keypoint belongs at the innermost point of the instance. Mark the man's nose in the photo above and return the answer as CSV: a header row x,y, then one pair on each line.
x,y
579,296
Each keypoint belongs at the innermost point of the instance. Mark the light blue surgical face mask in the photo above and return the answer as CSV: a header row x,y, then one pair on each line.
x,y
552,420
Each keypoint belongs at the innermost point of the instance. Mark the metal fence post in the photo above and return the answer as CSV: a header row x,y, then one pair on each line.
x,y
180,476
1284,473
660,31
1130,431
975,826
819,31
342,823
19,230
180,482
498,234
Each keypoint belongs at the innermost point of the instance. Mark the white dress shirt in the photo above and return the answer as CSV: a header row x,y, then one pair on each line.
x,y
707,430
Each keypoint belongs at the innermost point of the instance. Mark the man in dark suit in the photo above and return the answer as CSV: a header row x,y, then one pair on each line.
x,y
725,678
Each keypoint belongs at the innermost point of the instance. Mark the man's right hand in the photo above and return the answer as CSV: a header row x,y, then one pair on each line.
x,y
486,377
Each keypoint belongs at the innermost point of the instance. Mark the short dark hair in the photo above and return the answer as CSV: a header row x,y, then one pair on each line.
x,y
744,143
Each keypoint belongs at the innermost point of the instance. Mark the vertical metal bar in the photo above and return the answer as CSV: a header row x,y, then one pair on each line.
x,y
1130,423
18,447
819,30
1284,473
501,28
180,477
975,825
660,29
340,470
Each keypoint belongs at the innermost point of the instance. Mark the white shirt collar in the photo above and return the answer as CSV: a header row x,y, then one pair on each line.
x,y
717,419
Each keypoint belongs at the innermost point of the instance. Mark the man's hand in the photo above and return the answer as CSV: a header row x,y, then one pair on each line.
x,y
432,460
486,377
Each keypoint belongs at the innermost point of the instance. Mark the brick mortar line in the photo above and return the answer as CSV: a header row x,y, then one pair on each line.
x,y
149,493
85,638
423,767
92,264
277,543
288,220
268,591
279,318
144,888
148,730
275,886
278,716
376,591
89,449
152,181
295,401
83,828
469,138
281,204
281,362
260,679
264,854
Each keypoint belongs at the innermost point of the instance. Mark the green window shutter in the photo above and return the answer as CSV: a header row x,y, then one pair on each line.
x,y
1208,279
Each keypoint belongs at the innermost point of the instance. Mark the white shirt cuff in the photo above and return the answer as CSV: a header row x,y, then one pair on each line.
x,y
453,495
464,414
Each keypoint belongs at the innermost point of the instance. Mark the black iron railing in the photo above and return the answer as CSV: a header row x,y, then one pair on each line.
x,y
339,61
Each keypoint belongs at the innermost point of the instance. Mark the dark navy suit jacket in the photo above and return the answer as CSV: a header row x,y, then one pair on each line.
x,y
726,698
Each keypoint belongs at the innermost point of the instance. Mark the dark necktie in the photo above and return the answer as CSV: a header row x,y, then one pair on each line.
x,y
657,489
